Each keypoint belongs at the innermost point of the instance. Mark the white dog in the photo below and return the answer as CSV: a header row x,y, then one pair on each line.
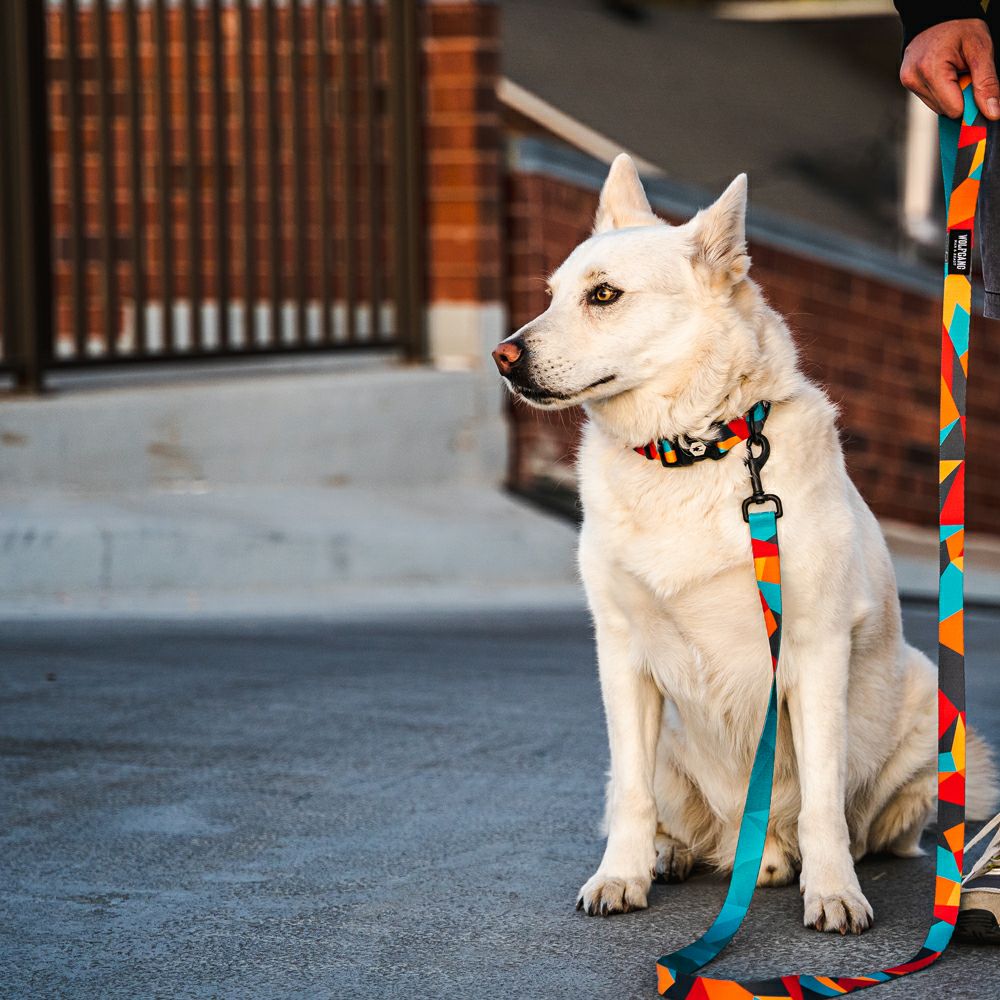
x,y
658,331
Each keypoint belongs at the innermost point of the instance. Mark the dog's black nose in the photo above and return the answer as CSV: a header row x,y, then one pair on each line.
x,y
509,354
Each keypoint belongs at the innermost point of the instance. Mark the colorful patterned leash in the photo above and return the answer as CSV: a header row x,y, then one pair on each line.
x,y
963,147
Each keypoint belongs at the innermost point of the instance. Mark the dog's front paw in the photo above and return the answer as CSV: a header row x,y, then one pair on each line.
x,y
603,894
841,910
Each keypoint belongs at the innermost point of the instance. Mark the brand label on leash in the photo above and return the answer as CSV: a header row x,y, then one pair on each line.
x,y
959,243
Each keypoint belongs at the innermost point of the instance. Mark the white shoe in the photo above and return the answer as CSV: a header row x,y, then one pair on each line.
x,y
979,908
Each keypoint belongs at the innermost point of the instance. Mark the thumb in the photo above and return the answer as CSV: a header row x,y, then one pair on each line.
x,y
985,86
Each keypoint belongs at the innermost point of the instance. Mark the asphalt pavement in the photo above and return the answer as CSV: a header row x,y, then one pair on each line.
x,y
399,807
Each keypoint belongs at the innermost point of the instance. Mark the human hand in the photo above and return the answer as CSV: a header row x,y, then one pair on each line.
x,y
938,56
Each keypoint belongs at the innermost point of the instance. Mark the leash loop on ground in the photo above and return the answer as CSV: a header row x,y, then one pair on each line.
x,y
963,146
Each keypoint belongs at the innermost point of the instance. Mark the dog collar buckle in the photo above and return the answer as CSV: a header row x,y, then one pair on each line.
x,y
673,454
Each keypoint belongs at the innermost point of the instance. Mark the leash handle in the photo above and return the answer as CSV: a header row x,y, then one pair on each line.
x,y
963,149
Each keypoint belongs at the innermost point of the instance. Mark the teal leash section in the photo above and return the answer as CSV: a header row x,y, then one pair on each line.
x,y
757,807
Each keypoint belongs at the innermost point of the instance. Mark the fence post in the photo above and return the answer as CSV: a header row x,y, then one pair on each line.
x,y
27,234
405,83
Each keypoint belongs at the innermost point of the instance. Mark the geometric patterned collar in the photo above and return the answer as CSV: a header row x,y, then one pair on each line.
x,y
673,455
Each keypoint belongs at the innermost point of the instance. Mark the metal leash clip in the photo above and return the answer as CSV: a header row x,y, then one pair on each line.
x,y
755,463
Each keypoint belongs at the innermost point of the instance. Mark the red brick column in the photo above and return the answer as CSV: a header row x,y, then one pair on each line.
x,y
463,209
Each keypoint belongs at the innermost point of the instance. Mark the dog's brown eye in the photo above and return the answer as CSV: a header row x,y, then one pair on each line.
x,y
603,295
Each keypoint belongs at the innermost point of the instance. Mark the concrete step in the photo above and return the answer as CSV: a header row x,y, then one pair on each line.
x,y
60,550
326,425
288,550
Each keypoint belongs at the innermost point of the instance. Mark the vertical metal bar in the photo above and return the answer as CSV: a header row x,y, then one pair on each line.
x,y
163,116
249,218
414,229
219,159
322,167
136,189
299,170
374,188
78,221
348,160
397,70
8,307
193,177
26,193
273,144
105,110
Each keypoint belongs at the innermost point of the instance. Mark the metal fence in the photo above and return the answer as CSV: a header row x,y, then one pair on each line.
x,y
207,178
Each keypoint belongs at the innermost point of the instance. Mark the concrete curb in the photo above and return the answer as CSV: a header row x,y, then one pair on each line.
x,y
293,549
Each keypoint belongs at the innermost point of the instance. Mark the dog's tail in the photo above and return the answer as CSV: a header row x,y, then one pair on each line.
x,y
982,790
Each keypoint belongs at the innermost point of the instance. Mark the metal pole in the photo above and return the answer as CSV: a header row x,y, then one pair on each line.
x,y
413,117
80,322
373,174
165,152
298,168
407,163
274,226
249,216
193,177
347,178
326,234
219,162
105,110
137,150
27,251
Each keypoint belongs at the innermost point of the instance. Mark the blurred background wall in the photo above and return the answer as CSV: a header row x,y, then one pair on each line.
x,y
845,207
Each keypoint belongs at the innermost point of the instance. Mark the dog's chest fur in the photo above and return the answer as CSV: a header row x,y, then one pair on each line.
x,y
669,548
681,565
668,527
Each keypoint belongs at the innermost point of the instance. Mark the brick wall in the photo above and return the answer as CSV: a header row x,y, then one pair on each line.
x,y
874,347
463,149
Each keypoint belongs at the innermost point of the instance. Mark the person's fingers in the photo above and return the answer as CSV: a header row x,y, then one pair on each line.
x,y
938,88
941,84
925,95
933,80
978,51
916,84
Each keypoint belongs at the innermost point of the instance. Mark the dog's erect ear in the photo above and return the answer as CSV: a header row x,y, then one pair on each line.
x,y
719,233
623,201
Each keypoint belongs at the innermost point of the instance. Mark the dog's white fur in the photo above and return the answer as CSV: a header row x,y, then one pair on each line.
x,y
665,558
